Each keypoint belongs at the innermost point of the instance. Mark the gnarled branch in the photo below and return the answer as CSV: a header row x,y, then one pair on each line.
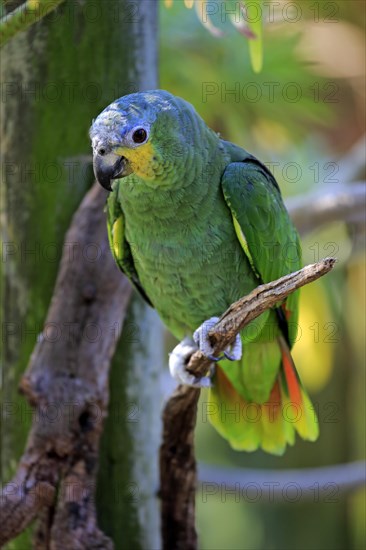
x,y
67,384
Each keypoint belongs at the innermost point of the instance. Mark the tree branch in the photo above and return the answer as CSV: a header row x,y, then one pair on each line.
x,y
177,460
346,202
24,16
67,384
242,312
273,483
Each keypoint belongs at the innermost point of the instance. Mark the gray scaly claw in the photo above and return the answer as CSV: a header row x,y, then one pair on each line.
x,y
200,336
178,359
235,350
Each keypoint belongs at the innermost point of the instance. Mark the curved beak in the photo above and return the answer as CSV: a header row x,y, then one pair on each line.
x,y
109,167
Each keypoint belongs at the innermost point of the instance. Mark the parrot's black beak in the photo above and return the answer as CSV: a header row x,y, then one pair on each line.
x,y
108,167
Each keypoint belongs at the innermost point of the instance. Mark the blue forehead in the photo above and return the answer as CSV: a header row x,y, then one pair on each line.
x,y
144,102
129,111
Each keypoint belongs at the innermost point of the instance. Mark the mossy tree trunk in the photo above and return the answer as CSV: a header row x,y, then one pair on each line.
x,y
56,77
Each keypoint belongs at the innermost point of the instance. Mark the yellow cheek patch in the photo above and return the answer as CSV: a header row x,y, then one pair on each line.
x,y
141,159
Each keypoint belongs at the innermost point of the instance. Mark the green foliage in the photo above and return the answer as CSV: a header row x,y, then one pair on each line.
x,y
215,74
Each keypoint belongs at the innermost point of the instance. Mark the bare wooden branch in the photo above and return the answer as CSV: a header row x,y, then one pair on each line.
x,y
242,312
177,461
271,483
341,202
67,384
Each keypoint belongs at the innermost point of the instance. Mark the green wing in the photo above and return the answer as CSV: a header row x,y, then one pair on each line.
x,y
120,248
266,375
264,228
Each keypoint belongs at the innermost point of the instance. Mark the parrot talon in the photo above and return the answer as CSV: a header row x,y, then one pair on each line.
x,y
215,359
235,350
200,336
229,356
178,360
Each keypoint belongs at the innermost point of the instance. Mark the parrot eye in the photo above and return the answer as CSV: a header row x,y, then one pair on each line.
x,y
139,135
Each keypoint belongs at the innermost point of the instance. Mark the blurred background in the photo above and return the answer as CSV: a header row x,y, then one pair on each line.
x,y
303,115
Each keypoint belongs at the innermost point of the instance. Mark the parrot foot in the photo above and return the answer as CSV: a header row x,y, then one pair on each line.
x,y
200,336
178,360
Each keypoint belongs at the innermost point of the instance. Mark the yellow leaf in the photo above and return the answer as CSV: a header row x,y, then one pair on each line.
x,y
252,14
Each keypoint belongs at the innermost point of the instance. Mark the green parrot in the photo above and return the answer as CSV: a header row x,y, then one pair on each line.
x,y
196,222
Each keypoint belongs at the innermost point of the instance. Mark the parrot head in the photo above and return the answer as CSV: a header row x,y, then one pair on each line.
x,y
149,134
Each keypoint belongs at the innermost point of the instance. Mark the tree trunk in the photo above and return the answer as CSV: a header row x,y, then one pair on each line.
x,y
56,77
128,508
